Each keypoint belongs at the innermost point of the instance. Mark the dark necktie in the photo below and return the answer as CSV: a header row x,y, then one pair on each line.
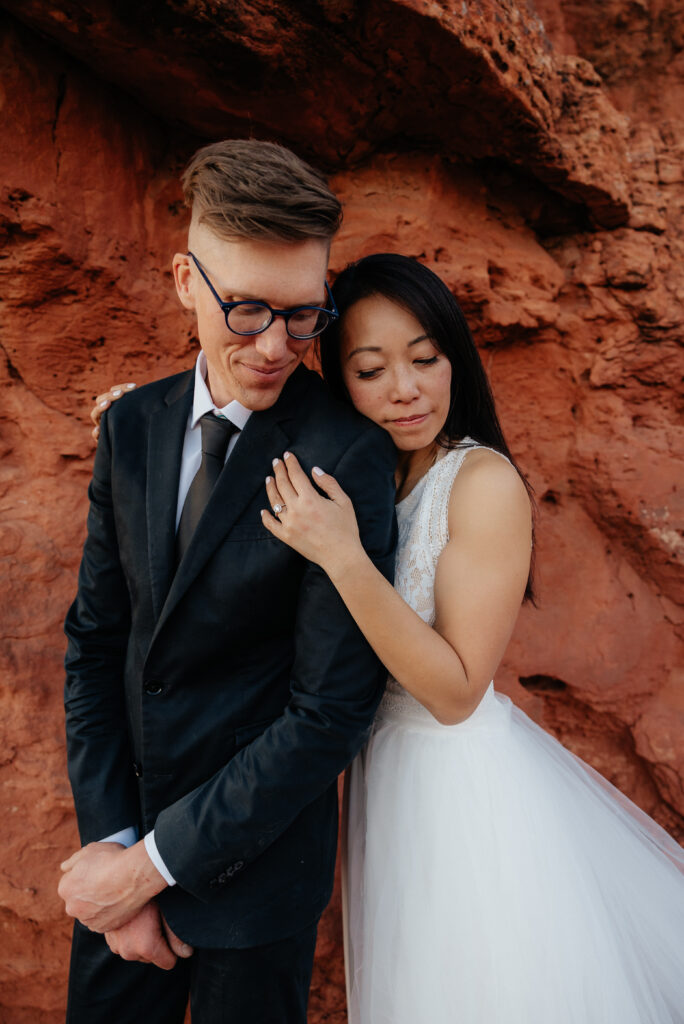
x,y
216,433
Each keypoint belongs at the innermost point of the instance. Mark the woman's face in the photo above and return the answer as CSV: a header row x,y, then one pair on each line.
x,y
394,373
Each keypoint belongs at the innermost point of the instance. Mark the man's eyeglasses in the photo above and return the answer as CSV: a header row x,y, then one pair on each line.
x,y
249,317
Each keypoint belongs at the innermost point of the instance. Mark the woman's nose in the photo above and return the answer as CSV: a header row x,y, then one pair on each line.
x,y
404,385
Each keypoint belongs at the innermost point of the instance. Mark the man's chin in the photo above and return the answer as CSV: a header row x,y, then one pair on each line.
x,y
262,394
258,399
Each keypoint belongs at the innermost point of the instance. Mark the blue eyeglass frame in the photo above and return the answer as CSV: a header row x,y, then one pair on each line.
x,y
285,313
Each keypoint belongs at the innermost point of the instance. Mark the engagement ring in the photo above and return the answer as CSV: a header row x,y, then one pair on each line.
x,y
277,509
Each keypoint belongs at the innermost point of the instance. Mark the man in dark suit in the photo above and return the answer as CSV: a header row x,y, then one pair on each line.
x,y
216,685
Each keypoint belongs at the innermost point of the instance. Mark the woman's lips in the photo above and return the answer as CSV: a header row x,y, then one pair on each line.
x,y
410,421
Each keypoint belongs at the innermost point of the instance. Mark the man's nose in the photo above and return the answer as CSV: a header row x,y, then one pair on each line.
x,y
272,343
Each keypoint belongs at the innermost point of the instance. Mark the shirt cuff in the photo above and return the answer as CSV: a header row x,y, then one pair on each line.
x,y
127,837
153,854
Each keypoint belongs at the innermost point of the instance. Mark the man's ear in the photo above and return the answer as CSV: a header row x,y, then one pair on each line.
x,y
184,279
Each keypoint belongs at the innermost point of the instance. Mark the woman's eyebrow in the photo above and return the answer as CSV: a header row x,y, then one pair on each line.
x,y
364,348
377,348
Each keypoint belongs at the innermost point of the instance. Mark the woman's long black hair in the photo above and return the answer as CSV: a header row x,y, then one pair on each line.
x,y
422,293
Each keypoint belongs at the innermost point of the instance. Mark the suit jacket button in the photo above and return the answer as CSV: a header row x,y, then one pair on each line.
x,y
153,687
137,768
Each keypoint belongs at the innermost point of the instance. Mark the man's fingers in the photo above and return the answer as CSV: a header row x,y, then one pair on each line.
x,y
112,940
162,955
143,939
155,949
91,850
179,947
70,862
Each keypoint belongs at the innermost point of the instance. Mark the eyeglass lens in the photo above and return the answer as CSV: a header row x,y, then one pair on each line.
x,y
252,317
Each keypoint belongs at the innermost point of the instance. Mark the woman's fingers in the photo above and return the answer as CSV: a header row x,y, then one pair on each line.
x,y
270,522
290,482
272,493
329,485
291,488
104,400
296,474
283,481
117,390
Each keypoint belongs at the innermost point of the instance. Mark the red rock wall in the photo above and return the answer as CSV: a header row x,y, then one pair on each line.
x,y
532,154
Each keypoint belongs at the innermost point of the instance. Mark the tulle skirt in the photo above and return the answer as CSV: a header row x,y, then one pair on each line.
x,y
493,878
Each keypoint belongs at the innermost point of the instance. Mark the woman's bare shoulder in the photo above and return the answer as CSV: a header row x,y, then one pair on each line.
x,y
488,492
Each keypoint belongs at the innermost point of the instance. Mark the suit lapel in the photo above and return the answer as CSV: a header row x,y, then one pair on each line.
x,y
264,436
166,434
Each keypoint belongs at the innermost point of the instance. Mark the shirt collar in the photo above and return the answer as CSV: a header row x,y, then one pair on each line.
x,y
203,402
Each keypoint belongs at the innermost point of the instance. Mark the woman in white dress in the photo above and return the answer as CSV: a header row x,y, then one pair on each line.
x,y
493,878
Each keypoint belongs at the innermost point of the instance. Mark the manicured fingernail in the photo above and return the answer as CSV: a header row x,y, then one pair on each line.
x,y
286,455
318,471
116,392
129,386
103,405
275,462
268,479
185,950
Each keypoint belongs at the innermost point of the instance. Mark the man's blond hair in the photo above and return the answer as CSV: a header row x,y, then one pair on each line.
x,y
244,188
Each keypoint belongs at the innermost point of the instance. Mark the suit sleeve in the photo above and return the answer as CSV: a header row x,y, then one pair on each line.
x,y
97,627
336,685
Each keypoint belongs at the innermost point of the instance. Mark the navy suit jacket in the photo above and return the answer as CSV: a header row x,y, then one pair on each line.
x,y
218,703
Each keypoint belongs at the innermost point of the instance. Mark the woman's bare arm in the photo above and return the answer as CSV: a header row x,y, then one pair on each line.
x,y
479,585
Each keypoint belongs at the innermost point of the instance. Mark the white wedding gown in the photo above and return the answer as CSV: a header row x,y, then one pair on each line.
x,y
492,877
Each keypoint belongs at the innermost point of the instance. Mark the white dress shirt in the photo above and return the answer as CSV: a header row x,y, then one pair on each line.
x,y
190,463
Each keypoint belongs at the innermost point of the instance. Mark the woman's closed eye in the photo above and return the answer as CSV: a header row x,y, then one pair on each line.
x,y
371,373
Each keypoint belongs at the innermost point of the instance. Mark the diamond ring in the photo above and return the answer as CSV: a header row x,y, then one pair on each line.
x,y
277,509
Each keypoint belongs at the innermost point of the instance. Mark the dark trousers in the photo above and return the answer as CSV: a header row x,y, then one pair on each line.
x,y
263,985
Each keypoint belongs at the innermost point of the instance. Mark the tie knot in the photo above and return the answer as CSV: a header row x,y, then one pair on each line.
x,y
216,433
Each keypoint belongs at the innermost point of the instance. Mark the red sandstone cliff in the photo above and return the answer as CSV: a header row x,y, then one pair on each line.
x,y
532,154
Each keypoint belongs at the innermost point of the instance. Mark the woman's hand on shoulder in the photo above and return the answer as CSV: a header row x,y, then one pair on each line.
x,y
104,401
482,572
322,529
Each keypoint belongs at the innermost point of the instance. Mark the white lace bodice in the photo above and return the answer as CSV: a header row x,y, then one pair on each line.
x,y
423,520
